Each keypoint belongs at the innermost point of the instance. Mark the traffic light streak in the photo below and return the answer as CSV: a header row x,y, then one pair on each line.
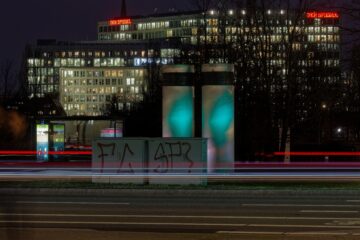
x,y
29,153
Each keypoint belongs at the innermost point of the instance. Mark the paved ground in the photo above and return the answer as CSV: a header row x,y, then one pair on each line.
x,y
177,215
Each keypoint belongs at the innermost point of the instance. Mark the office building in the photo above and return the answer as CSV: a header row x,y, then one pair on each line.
x,y
85,76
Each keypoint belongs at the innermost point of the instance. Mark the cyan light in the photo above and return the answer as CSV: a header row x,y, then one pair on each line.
x,y
221,118
180,117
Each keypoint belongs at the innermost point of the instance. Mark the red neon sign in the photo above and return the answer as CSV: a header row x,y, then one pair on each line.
x,y
331,15
117,22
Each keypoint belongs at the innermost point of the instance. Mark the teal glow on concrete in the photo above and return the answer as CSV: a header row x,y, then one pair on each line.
x,y
221,118
181,115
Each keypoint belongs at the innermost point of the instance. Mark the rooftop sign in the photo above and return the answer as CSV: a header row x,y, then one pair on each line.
x,y
331,15
117,22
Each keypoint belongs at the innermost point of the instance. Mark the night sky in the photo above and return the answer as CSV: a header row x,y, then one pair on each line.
x,y
24,21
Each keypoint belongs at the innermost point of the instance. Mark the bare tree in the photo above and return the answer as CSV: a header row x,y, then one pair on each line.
x,y
201,5
279,72
272,66
351,13
6,78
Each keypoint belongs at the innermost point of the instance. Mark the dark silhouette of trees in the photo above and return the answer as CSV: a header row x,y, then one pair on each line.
x,y
281,82
145,118
7,79
266,51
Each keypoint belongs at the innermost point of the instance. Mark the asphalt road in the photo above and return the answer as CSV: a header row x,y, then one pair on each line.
x,y
253,175
179,216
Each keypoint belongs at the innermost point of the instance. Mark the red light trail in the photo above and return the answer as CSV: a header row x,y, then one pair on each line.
x,y
23,153
315,154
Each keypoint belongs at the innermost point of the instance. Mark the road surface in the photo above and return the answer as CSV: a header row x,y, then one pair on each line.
x,y
169,215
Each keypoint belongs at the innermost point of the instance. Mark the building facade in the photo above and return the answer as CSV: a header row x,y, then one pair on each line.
x,y
91,91
215,27
85,76
62,69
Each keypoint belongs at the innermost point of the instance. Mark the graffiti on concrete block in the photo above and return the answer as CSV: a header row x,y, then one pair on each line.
x,y
112,156
125,154
159,156
170,155
107,152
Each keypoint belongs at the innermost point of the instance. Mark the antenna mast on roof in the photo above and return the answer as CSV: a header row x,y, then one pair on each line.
x,y
123,9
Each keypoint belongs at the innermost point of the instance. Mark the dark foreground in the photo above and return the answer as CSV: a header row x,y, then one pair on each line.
x,y
164,214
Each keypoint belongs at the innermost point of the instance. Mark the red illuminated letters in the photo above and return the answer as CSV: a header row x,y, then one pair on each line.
x,y
331,15
117,22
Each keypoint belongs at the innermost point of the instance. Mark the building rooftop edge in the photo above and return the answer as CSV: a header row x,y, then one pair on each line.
x,y
157,15
184,13
55,42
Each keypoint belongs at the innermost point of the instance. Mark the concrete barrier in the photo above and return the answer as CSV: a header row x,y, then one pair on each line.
x,y
154,161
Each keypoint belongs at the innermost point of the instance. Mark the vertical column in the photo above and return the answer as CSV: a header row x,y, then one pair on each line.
x,y
178,101
218,115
